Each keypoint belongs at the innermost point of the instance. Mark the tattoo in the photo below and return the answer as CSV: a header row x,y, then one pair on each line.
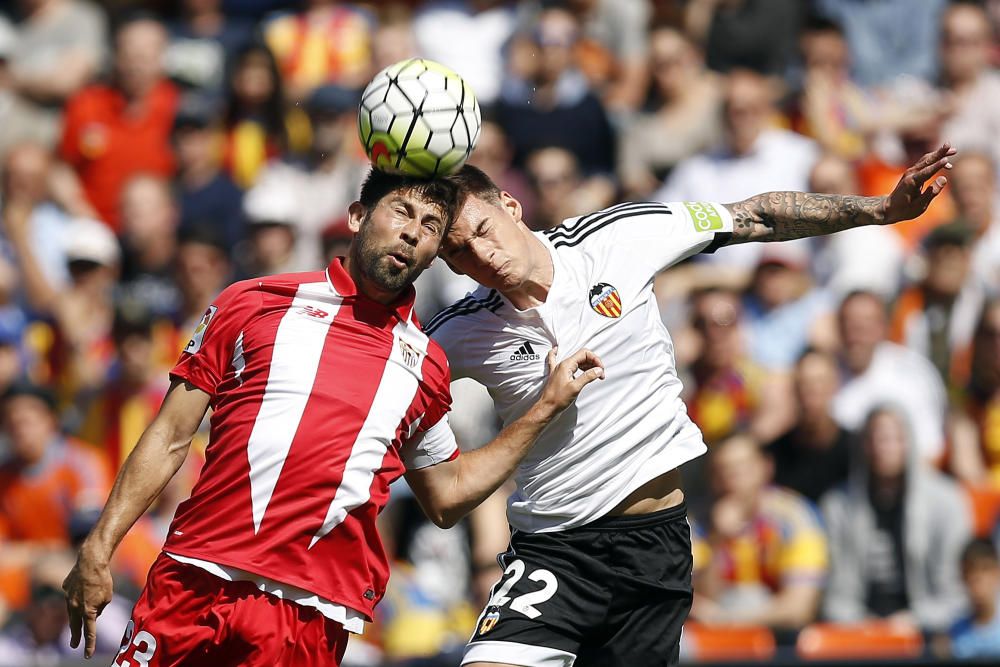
x,y
783,216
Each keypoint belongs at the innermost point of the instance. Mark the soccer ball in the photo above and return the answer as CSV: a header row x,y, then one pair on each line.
x,y
419,118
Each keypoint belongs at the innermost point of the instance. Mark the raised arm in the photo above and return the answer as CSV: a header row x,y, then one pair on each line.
x,y
450,490
783,216
155,460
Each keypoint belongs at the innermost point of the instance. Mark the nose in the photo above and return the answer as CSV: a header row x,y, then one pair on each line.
x,y
410,232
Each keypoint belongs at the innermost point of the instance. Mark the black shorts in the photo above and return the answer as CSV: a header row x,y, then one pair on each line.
x,y
613,592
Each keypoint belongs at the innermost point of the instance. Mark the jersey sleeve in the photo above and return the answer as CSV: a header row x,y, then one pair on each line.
x,y
650,236
208,355
427,448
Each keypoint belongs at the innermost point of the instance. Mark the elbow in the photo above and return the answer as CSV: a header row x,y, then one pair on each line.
x,y
446,517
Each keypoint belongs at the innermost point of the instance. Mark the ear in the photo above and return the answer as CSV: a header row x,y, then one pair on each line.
x,y
355,216
511,205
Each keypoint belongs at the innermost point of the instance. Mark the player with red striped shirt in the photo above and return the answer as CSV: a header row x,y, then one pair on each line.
x,y
323,390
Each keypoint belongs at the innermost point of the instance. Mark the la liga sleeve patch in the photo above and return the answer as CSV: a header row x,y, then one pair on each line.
x,y
199,331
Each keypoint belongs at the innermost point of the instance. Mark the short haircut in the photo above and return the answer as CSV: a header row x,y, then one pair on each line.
x,y
979,549
441,191
473,182
866,294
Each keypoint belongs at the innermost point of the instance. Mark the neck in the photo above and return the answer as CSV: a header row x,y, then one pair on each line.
x,y
534,290
984,613
819,431
367,286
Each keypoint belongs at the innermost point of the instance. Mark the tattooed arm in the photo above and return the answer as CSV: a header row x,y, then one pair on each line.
x,y
782,216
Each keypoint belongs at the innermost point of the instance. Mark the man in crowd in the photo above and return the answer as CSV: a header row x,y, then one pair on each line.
x,y
323,390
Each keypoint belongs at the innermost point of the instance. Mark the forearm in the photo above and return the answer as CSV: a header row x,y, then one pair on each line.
x,y
481,472
783,216
154,461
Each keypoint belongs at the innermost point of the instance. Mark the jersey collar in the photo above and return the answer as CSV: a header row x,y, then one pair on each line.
x,y
341,283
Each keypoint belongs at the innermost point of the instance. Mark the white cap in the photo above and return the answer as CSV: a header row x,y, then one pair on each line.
x,y
91,241
273,199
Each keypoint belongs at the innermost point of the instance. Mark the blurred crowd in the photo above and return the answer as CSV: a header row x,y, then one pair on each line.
x,y
849,387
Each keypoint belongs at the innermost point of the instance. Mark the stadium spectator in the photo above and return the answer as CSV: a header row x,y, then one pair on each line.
x,y
324,181
896,532
49,484
814,455
494,154
202,41
149,244
888,38
272,212
258,126
552,103
978,634
203,190
19,118
113,131
684,117
394,40
974,189
754,157
864,258
975,439
727,392
613,52
767,553
756,34
25,192
329,42
131,394
61,46
468,36
783,311
971,85
937,316
560,190
872,368
202,269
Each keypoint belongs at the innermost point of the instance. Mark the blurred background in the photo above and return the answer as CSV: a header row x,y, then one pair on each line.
x,y
849,387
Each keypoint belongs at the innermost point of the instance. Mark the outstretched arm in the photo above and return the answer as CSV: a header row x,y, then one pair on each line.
x,y
783,216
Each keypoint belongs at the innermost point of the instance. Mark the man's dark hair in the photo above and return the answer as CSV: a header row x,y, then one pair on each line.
x,y
819,23
979,549
441,191
473,182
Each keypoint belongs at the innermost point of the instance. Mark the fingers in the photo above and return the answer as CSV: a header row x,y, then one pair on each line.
x,y
584,359
585,378
921,175
90,634
943,151
932,191
75,622
550,359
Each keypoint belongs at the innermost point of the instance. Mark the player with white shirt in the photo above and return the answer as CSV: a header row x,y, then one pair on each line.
x,y
599,566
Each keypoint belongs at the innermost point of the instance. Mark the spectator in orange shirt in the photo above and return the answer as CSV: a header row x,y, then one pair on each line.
x,y
51,486
113,131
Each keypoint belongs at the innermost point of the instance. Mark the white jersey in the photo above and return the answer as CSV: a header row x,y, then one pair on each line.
x,y
622,431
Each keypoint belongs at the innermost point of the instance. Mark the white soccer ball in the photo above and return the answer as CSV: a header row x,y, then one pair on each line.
x,y
419,118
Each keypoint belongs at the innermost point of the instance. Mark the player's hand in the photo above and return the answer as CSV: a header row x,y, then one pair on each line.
x,y
910,198
569,377
88,590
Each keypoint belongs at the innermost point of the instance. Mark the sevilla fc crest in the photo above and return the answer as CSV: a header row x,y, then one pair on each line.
x,y
604,299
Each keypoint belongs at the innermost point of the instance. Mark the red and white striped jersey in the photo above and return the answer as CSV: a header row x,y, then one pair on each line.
x,y
321,397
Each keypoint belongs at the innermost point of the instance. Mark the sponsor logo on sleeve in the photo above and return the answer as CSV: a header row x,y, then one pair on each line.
x,y
706,218
199,331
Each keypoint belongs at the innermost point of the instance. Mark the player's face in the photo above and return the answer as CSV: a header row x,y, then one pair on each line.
x,y
396,240
487,243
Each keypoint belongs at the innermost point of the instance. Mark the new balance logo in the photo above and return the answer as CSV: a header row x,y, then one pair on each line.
x,y
525,353
313,311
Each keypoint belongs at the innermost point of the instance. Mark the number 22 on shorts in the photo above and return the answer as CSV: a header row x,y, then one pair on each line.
x,y
525,604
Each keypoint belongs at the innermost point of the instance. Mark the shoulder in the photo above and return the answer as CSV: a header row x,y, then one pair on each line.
x,y
459,314
588,229
790,510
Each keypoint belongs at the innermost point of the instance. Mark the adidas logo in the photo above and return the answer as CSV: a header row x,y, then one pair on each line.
x,y
525,353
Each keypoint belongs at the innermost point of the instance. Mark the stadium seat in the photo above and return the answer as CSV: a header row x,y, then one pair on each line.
x,y
870,640
728,642
984,500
